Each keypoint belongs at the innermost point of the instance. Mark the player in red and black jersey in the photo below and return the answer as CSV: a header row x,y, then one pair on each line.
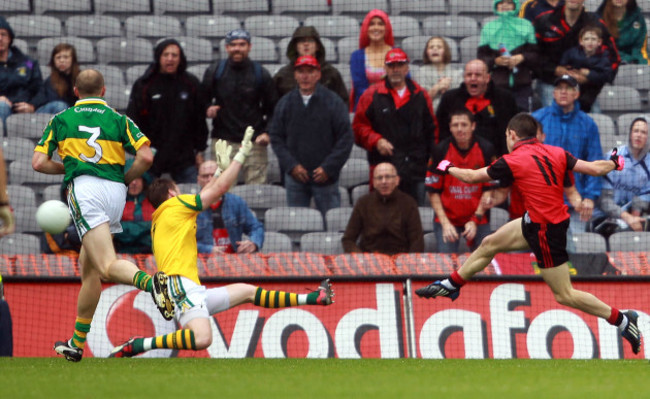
x,y
537,170
457,205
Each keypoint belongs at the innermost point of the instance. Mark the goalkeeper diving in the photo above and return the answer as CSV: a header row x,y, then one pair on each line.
x,y
173,236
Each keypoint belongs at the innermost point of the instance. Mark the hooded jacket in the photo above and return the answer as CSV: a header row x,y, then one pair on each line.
x,y
170,110
20,76
576,133
628,189
330,77
632,40
358,58
554,36
517,35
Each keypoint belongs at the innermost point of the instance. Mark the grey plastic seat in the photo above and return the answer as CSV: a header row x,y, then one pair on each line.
x,y
52,192
25,217
260,197
359,191
498,217
152,26
134,72
476,9
418,9
21,172
118,97
605,124
9,7
189,188
241,8
271,25
17,243
326,243
430,243
589,243
426,218
405,26
211,26
62,6
17,148
122,7
358,9
345,48
617,100
174,7
629,241
29,126
119,50
336,219
113,75
22,45
198,71
35,26
22,195
354,172
468,48
454,26
262,50
293,221
93,26
83,48
414,47
334,25
276,242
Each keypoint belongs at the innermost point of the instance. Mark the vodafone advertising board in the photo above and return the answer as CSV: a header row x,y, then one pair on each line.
x,y
369,319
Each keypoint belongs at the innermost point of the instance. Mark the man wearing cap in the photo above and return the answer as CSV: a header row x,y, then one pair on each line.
x,y
492,106
312,139
20,76
568,127
394,121
168,105
241,93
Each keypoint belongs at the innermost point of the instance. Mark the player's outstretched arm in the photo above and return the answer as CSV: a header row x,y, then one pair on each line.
x,y
44,164
470,176
601,168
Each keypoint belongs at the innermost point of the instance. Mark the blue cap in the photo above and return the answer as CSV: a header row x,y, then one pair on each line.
x,y
238,34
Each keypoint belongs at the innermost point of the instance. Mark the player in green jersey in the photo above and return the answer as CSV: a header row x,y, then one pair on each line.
x,y
91,139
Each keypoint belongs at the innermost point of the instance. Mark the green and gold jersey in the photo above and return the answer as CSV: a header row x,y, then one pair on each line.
x,y
173,236
92,139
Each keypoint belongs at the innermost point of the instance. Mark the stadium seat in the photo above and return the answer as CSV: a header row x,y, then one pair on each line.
x,y
9,7
262,50
629,241
113,75
334,25
276,242
83,48
22,195
189,188
118,97
261,197
211,26
345,48
353,173
468,48
418,8
325,243
21,172
122,7
93,26
336,219
18,243
625,120
293,221
25,218
35,27
300,9
404,26
134,72
617,100
328,44
358,152
454,26
52,192
119,50
498,217
198,70
414,47
426,218
62,6
589,243
430,243
605,124
475,9
17,148
196,49
592,5
29,126
359,191
185,7
152,26
22,45
275,26
358,9
634,75
241,8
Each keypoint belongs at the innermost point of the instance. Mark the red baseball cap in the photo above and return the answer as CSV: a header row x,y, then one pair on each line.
x,y
307,60
396,55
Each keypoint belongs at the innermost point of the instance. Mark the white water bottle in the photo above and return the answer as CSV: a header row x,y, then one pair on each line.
x,y
504,52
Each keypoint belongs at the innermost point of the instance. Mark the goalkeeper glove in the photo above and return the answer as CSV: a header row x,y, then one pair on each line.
x,y
7,217
222,154
618,160
443,167
246,146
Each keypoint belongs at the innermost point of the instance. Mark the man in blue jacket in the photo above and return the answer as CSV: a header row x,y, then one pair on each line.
x,y
568,127
219,229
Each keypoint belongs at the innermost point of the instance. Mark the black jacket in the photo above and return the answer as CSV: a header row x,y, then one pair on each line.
x,y
20,77
170,111
243,101
491,122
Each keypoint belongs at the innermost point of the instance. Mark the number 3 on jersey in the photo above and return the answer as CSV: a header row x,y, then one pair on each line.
x,y
92,143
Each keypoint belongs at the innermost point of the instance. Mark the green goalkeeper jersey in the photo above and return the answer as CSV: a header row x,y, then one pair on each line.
x,y
92,139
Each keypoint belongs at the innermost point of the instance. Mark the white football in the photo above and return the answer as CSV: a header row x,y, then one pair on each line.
x,y
53,216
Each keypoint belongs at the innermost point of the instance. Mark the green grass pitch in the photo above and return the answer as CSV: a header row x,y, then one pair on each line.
x,y
328,378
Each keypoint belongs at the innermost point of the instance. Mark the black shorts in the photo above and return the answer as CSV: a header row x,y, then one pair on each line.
x,y
547,240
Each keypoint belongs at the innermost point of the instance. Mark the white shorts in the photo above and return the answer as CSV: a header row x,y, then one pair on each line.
x,y
93,201
195,301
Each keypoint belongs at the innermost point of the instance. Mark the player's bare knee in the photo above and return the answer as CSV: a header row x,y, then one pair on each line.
x,y
489,245
564,298
202,339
